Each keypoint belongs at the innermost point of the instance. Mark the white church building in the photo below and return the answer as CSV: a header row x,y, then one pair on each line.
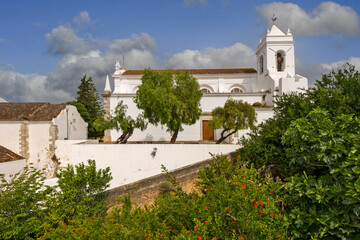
x,y
275,75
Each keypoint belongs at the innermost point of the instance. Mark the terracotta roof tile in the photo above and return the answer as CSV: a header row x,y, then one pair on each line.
x,y
199,71
6,155
29,111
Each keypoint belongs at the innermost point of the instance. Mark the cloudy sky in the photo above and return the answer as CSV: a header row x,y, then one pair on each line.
x,y
47,46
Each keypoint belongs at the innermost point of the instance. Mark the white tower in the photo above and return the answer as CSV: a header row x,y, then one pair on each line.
x,y
276,64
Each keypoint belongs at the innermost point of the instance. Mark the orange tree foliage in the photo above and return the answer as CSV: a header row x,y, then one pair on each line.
x,y
232,202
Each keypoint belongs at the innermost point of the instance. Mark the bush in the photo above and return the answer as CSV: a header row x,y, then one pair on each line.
x,y
326,204
232,202
28,208
22,201
257,104
81,194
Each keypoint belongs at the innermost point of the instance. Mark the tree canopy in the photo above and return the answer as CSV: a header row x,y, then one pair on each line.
x,y
88,96
119,121
235,115
313,143
169,98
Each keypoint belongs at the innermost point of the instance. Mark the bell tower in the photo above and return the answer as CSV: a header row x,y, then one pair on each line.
x,y
276,64
275,53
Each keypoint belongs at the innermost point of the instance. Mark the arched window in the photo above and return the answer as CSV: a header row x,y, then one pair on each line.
x,y
236,90
261,63
280,61
204,90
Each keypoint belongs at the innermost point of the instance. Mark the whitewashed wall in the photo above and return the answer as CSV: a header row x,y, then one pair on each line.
x,y
10,136
132,162
70,124
39,140
190,133
12,167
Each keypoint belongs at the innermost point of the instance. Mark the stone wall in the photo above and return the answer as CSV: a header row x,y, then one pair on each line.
x,y
23,140
144,191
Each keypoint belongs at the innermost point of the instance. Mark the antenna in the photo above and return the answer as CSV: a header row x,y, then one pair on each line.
x,y
123,63
273,19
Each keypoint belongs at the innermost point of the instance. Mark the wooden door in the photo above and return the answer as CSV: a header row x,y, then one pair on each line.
x,y
207,132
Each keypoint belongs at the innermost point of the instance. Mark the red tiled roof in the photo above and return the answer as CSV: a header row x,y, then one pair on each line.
x,y
29,111
198,71
6,155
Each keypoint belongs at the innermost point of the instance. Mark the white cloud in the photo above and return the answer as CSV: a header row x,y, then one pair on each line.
x,y
83,18
327,18
314,71
142,43
237,55
63,40
79,57
341,64
188,3
29,87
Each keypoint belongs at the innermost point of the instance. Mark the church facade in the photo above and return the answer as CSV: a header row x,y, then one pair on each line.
x,y
275,75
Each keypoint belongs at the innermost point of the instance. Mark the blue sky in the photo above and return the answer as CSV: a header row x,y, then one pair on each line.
x,y
47,46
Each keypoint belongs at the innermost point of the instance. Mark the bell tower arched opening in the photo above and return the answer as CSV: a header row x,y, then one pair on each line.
x,y
280,61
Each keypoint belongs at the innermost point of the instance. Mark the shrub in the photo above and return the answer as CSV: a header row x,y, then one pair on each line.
x,y
324,205
232,201
22,200
81,194
257,104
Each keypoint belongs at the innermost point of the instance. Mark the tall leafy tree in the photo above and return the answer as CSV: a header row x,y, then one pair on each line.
x,y
119,121
88,96
235,115
169,98
337,92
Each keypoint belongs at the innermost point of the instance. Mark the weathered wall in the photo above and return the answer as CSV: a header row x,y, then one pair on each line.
x,y
144,191
70,124
12,167
10,136
41,147
132,162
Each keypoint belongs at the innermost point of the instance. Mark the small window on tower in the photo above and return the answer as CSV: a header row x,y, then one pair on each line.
x,y
236,90
261,64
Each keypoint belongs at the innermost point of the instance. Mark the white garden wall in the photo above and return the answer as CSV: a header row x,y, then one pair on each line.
x,y
12,167
133,162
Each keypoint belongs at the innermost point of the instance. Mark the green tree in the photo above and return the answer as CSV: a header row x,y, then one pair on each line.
x,y
325,205
81,193
235,115
337,92
169,98
119,121
81,109
88,96
22,202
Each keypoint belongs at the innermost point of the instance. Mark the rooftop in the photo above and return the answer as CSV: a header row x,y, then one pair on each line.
x,y
29,111
198,71
6,155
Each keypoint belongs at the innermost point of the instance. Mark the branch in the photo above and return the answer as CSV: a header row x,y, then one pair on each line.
x,y
231,133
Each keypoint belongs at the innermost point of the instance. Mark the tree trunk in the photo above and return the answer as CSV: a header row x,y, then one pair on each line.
x,y
126,138
174,136
222,137
121,138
